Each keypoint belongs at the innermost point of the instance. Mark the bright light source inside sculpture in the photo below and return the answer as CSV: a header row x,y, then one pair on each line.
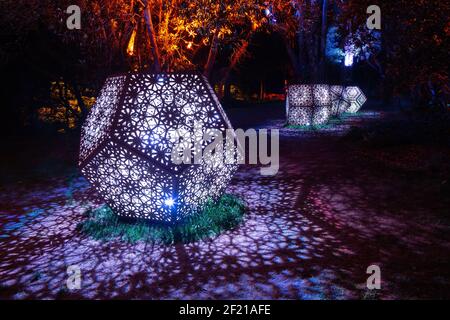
x,y
355,97
126,147
339,103
169,202
308,104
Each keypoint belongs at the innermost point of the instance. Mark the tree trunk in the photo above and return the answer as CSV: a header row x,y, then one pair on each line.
x,y
79,97
300,42
235,58
212,55
293,58
312,50
323,39
151,34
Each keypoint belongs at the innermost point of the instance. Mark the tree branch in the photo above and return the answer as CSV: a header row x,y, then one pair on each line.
x,y
151,34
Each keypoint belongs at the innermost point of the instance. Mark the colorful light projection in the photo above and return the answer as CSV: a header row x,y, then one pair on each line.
x,y
308,104
126,147
355,97
339,103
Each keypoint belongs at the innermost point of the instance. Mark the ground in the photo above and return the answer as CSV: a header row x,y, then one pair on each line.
x,y
310,233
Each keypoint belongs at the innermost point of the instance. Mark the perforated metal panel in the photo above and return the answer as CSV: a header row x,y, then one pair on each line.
x,y
126,146
308,104
339,103
355,97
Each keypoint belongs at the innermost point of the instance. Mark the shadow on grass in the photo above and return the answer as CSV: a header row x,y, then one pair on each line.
x,y
317,127
227,213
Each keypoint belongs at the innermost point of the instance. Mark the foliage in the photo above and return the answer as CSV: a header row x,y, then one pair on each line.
x,y
363,43
185,29
114,37
414,39
299,23
226,214
63,108
334,50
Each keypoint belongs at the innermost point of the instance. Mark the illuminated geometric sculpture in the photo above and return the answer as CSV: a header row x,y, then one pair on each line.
x,y
308,104
126,146
355,97
339,102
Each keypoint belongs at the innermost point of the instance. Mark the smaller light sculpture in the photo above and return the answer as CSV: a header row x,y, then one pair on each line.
x,y
355,97
308,104
339,103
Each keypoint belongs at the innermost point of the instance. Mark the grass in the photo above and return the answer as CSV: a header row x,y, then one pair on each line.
x,y
225,214
330,124
349,115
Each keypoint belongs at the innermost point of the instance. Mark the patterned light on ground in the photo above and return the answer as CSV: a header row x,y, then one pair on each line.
x,y
308,104
339,103
355,97
126,147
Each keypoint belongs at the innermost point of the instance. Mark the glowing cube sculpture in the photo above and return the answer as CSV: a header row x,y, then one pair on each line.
x,y
126,148
308,104
339,102
355,97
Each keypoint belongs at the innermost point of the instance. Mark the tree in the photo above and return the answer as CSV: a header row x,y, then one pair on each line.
x,y
414,46
116,36
189,35
303,24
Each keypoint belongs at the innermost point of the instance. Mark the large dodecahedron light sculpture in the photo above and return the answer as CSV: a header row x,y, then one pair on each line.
x,y
355,97
339,102
126,147
308,104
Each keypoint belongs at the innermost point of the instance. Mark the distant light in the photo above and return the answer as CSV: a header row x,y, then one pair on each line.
x,y
267,11
348,59
169,202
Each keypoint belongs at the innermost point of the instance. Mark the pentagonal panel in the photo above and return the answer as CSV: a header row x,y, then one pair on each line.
x,y
98,123
355,97
199,183
157,105
131,186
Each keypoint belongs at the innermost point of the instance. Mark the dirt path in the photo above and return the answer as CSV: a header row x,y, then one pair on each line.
x,y
311,232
